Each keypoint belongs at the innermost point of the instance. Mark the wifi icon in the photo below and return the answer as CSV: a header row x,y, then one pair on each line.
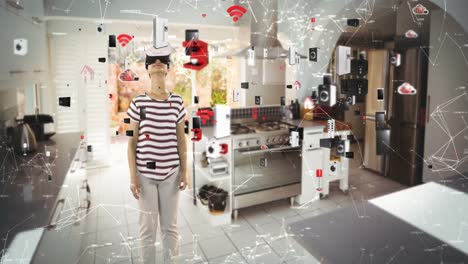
x,y
236,12
124,39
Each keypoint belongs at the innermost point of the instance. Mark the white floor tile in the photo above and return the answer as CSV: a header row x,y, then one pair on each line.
x,y
287,248
206,231
257,217
262,254
234,258
185,236
271,231
310,214
245,238
236,225
190,253
216,247
280,212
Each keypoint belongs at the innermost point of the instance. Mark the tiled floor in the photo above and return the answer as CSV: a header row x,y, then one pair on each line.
x,y
257,236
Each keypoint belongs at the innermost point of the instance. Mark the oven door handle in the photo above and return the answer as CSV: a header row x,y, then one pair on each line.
x,y
245,152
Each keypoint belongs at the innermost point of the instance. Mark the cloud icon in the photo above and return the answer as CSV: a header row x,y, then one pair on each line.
x,y
419,9
406,89
411,34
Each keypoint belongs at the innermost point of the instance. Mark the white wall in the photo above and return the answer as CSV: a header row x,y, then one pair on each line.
x,y
19,24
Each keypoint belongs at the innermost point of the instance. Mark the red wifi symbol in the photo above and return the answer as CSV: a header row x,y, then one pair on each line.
x,y
236,12
205,115
124,39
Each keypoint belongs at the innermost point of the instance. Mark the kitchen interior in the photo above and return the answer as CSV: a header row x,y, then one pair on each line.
x,y
317,132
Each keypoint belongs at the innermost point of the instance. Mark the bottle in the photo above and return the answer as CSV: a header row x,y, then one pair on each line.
x,y
297,109
291,110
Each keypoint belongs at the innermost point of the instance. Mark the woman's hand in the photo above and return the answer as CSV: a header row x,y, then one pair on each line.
x,y
135,187
183,180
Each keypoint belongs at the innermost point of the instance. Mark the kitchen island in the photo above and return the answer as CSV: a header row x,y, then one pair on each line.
x,y
318,168
319,124
262,166
30,189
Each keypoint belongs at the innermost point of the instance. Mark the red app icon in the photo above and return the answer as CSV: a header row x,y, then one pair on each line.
x,y
318,173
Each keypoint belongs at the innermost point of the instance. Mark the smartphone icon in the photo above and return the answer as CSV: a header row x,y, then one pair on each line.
x,y
196,122
380,94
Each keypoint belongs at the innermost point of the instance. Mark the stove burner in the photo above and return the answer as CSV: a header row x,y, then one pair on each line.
x,y
268,126
237,129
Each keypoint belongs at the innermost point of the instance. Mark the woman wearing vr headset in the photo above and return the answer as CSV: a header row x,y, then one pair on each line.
x,y
157,158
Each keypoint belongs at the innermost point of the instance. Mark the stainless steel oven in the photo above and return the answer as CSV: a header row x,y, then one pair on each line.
x,y
265,168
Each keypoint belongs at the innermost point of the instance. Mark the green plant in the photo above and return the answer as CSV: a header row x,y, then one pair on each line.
x,y
218,96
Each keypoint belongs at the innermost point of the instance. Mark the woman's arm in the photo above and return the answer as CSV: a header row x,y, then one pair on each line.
x,y
182,149
131,152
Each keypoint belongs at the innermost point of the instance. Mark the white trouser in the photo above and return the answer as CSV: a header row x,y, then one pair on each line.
x,y
159,199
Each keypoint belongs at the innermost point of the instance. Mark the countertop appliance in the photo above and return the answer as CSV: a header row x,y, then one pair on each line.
x,y
266,168
24,140
36,122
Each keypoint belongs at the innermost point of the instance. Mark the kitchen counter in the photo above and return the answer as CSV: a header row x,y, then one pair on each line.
x,y
28,195
339,126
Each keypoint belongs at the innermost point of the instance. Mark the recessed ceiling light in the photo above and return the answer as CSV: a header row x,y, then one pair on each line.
x,y
59,33
466,45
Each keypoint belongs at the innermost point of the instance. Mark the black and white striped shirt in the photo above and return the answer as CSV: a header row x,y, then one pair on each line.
x,y
157,138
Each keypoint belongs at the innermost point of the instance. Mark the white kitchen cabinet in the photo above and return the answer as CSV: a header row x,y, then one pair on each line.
x,y
203,174
312,160
316,161
342,174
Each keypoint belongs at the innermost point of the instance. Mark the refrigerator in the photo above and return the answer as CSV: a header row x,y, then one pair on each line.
x,y
377,77
407,119
404,116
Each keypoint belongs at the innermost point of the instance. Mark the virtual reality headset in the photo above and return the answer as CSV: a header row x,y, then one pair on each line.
x,y
161,54
152,59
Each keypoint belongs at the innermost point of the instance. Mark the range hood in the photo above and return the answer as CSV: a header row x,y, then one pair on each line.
x,y
263,32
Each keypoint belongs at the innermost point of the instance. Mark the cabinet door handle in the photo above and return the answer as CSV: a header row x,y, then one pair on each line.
x,y
245,152
52,224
